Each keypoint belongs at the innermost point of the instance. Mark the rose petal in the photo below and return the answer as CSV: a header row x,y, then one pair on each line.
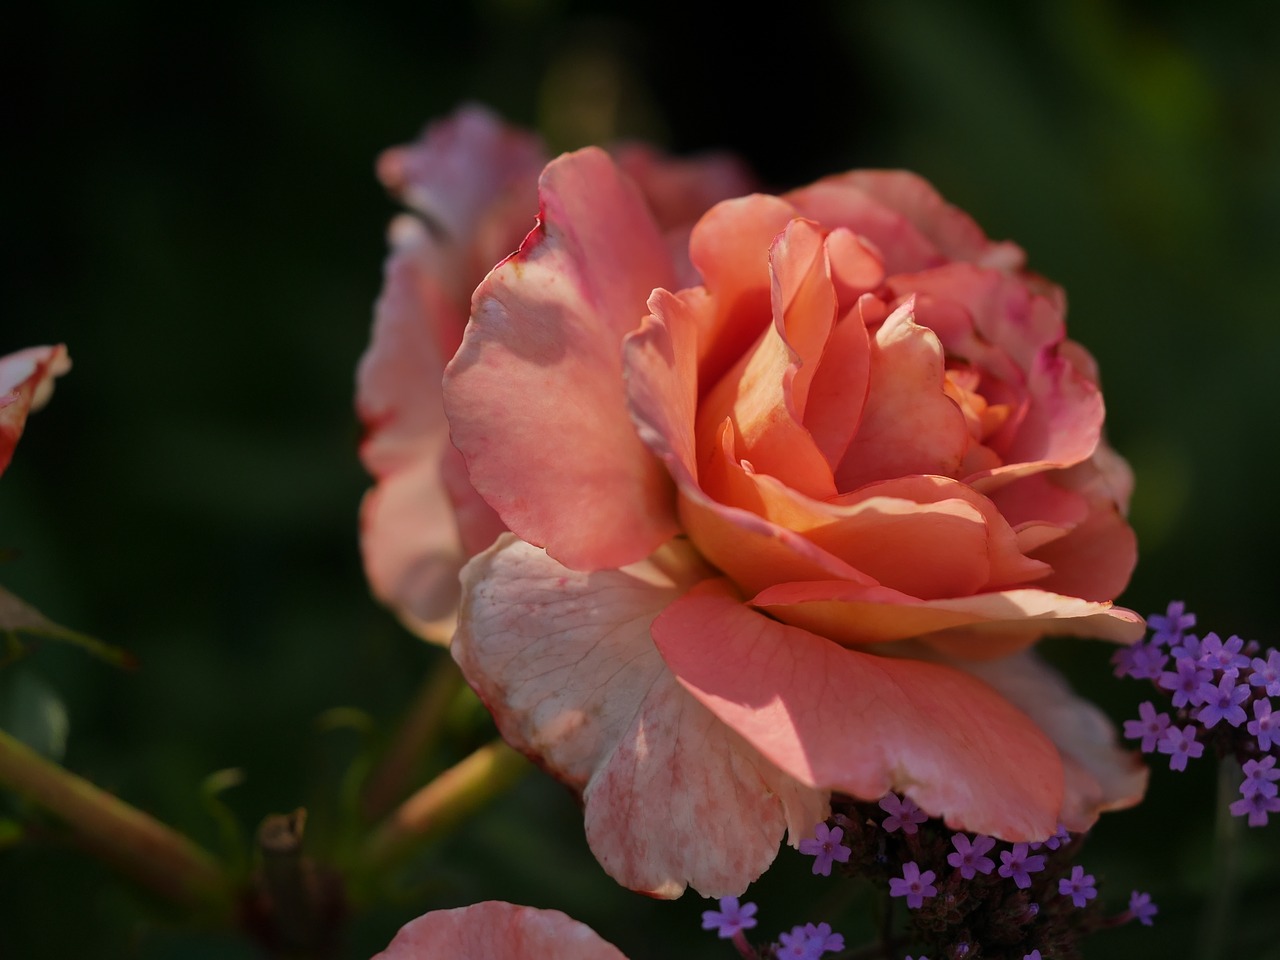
x,y
535,397
841,720
494,930
1100,775
26,383
1005,309
909,425
409,534
565,663
459,166
1062,425
729,247
1095,559
905,217
1039,509
765,394
980,626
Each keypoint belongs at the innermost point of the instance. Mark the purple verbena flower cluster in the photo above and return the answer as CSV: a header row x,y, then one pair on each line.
x,y
965,895
1215,686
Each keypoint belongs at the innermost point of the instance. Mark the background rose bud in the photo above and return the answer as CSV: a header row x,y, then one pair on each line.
x,y
801,521
471,181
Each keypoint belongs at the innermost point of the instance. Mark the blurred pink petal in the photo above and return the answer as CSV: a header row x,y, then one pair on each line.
x,y
26,383
494,930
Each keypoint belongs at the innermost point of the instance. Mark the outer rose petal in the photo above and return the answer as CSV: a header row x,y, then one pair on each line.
x,y
409,523
980,626
841,720
454,172
535,397
565,664
1100,775
26,383
494,930
681,189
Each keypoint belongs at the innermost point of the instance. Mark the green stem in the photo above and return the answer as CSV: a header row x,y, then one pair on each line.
x,y
449,798
1226,847
137,844
417,734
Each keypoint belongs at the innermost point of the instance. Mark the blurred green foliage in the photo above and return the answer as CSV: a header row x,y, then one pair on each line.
x,y
189,205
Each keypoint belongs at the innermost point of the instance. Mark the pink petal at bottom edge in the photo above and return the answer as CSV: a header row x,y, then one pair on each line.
x,y
842,720
1100,775
565,663
494,930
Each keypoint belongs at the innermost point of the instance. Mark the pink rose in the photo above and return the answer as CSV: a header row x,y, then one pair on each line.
x,y
786,528
26,382
496,930
471,180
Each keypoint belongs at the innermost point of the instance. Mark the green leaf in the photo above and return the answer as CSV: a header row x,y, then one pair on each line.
x,y
10,833
19,617
32,712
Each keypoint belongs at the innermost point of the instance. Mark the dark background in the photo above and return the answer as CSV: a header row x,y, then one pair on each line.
x,y
188,203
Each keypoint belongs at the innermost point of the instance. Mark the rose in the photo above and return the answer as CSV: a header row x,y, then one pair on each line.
x,y
801,521
471,180
498,931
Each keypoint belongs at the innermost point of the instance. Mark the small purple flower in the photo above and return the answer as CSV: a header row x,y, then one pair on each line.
x,y
1148,728
902,813
809,942
1222,702
1266,673
913,885
1147,662
1187,648
1180,743
1141,908
1223,655
1260,777
796,945
969,856
1266,726
1169,627
1060,836
1080,887
1019,863
1033,955
1256,807
731,919
1184,681
826,846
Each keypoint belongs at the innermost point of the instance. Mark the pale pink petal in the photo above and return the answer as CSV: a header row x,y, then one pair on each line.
x,y
409,533
565,663
1100,776
26,383
909,425
494,930
980,626
765,394
461,167
838,719
535,395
